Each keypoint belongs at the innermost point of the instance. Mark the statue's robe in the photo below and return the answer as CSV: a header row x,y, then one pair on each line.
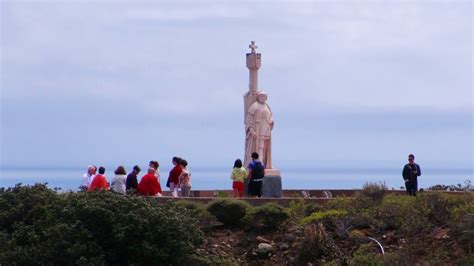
x,y
258,127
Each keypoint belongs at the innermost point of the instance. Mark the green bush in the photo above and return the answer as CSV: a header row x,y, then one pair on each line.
x,y
371,193
463,226
367,254
334,220
269,216
297,210
440,206
314,245
194,209
230,212
406,215
41,227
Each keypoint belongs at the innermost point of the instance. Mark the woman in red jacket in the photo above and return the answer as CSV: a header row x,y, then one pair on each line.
x,y
173,178
100,181
149,185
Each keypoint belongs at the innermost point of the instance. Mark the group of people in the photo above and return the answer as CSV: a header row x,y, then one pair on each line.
x,y
253,179
179,179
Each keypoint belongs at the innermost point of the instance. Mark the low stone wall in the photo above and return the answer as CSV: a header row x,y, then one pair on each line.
x,y
288,193
253,201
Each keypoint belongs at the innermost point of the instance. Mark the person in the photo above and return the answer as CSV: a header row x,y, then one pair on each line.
x,y
173,178
88,176
155,165
100,181
119,180
239,173
255,175
411,172
132,178
184,179
149,185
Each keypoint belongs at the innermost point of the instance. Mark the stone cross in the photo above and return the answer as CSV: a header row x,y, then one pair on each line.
x,y
253,46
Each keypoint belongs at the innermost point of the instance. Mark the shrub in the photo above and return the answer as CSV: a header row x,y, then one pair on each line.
x,y
371,194
324,215
316,244
463,226
91,228
440,206
367,254
407,215
269,216
333,220
230,212
300,209
194,209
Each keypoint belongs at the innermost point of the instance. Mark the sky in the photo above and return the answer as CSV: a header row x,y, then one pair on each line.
x,y
350,83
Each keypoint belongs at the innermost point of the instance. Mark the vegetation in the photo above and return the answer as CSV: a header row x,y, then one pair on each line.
x,y
230,212
269,216
40,226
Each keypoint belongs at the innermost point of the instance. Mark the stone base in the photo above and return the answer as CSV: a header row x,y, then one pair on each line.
x,y
271,185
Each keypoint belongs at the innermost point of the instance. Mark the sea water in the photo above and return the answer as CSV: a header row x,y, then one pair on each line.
x,y
214,178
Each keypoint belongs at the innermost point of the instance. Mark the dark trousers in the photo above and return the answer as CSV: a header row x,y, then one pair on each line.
x,y
412,187
255,188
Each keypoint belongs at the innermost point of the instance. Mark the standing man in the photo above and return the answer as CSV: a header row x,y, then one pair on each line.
x,y
88,176
132,178
411,172
255,176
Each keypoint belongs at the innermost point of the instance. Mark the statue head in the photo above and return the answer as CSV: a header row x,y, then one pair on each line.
x,y
262,97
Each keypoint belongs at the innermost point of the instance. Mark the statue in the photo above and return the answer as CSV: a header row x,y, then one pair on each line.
x,y
258,120
258,127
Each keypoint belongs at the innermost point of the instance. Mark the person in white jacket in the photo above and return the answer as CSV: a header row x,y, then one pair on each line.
x,y
119,181
88,176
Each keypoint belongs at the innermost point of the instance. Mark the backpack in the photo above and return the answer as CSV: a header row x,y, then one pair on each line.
x,y
258,172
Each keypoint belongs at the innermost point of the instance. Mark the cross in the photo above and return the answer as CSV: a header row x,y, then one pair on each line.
x,y
253,46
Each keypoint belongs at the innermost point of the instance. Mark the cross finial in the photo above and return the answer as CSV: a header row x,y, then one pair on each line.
x,y
253,46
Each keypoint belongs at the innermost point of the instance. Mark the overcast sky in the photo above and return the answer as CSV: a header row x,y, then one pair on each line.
x,y
351,83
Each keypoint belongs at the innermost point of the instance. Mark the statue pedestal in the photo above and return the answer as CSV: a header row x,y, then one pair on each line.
x,y
271,185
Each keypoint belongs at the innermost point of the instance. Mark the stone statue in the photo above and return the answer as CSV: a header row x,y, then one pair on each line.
x,y
258,120
258,127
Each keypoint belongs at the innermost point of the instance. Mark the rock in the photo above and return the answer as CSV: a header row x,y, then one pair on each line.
x,y
264,248
441,233
199,251
284,246
261,239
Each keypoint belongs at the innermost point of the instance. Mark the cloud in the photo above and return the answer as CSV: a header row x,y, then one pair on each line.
x,y
339,71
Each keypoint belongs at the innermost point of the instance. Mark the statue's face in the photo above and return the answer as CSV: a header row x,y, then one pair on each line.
x,y
262,98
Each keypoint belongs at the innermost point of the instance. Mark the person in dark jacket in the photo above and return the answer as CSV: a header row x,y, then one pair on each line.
x,y
411,172
132,181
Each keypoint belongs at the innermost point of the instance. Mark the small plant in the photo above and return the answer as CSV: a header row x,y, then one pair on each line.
x,y
367,254
334,220
196,210
371,193
324,215
270,216
230,212
407,215
316,244
463,226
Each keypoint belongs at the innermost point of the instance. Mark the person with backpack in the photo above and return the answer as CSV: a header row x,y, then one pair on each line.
x,y
256,174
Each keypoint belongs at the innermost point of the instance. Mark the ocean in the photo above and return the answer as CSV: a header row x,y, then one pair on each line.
x,y
213,178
